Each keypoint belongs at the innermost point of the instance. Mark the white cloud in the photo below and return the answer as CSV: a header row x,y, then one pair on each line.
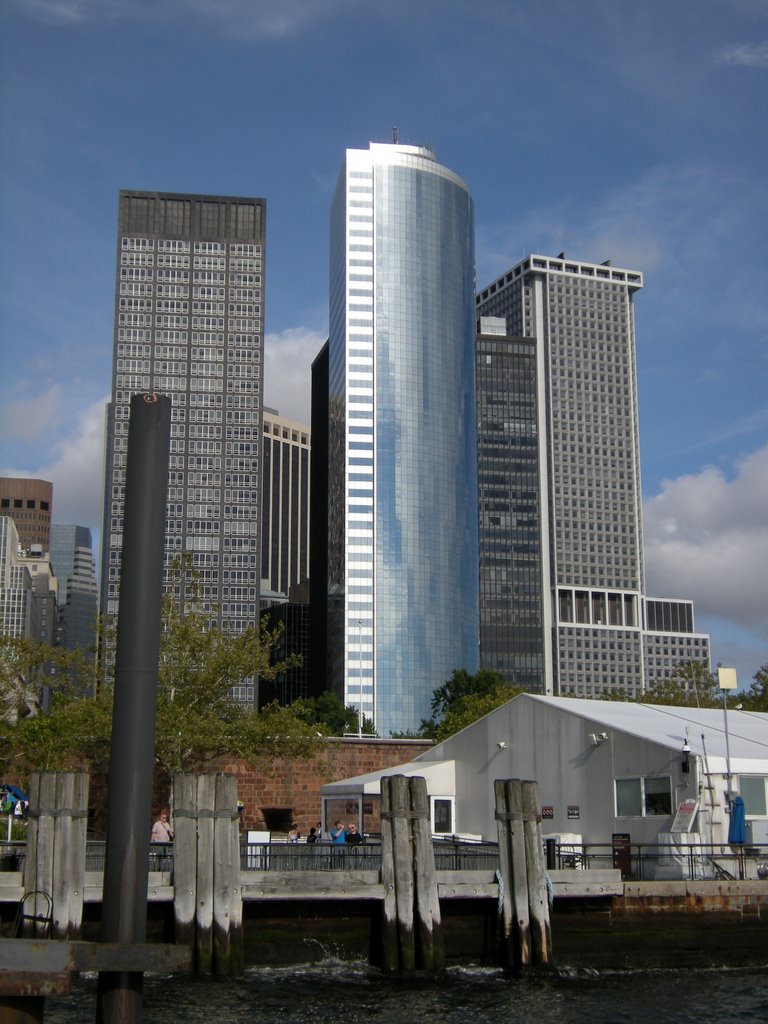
x,y
744,55
57,12
253,19
76,470
706,538
29,419
289,355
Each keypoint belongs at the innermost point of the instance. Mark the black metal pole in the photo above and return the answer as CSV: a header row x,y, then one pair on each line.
x,y
129,808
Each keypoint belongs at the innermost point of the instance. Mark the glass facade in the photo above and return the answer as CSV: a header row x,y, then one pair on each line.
x,y
511,590
402,455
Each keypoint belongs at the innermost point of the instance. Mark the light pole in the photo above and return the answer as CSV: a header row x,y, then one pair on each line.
x,y
726,679
360,666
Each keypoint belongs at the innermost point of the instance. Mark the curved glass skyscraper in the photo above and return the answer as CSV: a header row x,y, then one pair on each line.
x,y
402,511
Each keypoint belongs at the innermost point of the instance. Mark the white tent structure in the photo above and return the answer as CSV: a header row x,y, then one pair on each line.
x,y
603,768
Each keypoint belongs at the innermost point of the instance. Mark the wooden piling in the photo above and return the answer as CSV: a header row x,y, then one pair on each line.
x,y
208,896
206,797
411,923
519,873
227,901
430,946
390,955
516,932
507,947
69,832
185,856
403,863
538,902
55,859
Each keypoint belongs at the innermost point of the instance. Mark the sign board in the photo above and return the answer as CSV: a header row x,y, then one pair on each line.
x,y
255,837
686,812
547,813
622,853
574,811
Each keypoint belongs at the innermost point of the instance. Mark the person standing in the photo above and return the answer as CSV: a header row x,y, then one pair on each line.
x,y
353,837
161,830
338,834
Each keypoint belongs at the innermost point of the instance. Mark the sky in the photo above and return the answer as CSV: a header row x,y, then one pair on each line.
x,y
635,132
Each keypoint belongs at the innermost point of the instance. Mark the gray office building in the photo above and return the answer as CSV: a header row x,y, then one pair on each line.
x,y
598,632
284,502
72,559
189,316
509,505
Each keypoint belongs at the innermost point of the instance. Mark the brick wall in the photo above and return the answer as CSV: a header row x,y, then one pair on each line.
x,y
289,784
295,785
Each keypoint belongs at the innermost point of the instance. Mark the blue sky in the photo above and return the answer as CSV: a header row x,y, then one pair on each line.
x,y
612,130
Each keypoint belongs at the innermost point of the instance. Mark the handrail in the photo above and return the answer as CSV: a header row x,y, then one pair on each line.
x,y
692,861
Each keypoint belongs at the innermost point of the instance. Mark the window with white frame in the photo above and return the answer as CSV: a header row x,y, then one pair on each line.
x,y
754,793
643,797
442,815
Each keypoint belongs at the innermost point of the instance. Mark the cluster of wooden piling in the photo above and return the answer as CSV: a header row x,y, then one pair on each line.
x,y
207,892
208,902
526,938
54,866
411,933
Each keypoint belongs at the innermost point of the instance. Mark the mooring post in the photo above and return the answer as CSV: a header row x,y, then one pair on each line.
x,y
516,932
69,853
519,873
403,860
227,900
126,871
185,857
507,950
389,952
206,796
38,863
538,902
430,948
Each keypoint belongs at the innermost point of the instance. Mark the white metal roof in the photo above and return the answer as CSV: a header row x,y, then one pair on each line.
x,y
704,728
440,776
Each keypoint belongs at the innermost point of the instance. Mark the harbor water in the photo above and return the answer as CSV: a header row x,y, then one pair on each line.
x,y
353,992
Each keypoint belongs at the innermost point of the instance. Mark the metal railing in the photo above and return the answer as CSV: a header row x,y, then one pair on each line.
x,y
322,856
655,861
645,862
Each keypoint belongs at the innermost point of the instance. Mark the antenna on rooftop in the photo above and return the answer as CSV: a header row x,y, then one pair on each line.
x,y
395,135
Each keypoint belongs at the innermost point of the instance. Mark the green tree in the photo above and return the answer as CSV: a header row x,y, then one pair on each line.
x,y
197,716
330,715
691,685
463,698
756,697
472,707
28,667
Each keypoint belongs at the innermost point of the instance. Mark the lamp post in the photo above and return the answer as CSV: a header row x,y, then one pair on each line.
x,y
360,666
726,679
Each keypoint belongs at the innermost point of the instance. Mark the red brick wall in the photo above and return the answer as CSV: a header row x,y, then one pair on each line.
x,y
296,784
287,783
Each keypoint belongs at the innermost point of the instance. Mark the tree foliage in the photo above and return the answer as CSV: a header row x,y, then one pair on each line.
x,y
464,698
29,667
756,697
197,716
332,718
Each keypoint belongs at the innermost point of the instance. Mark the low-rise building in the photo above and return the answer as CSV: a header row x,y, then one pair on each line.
x,y
603,768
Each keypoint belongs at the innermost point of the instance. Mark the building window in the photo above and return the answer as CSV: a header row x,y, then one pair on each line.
x,y
753,793
442,815
643,797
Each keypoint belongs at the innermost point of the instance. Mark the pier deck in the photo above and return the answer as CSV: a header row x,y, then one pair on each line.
x,y
322,886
